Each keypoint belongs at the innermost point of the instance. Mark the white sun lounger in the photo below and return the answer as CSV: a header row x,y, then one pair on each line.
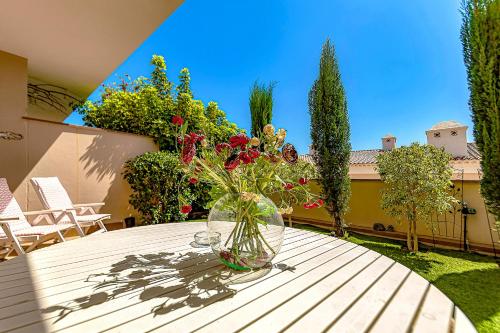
x,y
15,228
52,194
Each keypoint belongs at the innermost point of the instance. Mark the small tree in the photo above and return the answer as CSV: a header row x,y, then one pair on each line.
x,y
330,136
417,183
261,107
481,43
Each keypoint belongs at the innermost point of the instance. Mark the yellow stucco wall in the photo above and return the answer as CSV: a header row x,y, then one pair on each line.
x,y
88,161
364,211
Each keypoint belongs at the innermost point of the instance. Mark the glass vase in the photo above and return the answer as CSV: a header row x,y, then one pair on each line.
x,y
245,230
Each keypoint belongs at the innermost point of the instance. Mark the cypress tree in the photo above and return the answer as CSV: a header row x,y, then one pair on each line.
x,y
330,136
481,47
261,106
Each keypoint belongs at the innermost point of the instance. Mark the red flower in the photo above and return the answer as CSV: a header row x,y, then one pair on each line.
x,y
303,181
254,153
186,209
221,146
196,137
240,140
188,152
177,120
232,163
193,180
317,204
244,157
288,186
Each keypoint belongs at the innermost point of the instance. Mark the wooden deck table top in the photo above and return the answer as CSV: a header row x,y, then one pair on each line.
x,y
155,279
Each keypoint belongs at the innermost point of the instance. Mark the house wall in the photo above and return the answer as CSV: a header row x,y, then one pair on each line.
x,y
364,211
88,161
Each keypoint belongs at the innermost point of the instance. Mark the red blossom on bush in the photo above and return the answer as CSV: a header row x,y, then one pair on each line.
x,y
196,137
188,152
177,120
253,153
303,181
288,186
244,157
240,140
232,162
193,180
221,146
186,209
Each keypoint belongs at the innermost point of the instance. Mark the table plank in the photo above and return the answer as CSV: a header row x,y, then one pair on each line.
x,y
435,314
315,286
335,302
398,315
372,302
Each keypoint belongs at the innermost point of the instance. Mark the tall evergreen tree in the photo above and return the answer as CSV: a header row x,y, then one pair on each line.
x,y
481,46
330,136
261,106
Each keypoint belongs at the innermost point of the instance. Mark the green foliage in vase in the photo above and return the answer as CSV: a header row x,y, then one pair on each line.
x,y
156,178
330,136
261,107
481,44
245,171
417,183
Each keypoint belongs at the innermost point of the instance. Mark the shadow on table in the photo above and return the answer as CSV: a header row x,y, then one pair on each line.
x,y
177,280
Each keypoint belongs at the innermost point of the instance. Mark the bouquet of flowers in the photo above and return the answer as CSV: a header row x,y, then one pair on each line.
x,y
243,173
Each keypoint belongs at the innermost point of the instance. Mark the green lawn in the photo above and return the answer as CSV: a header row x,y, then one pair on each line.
x,y
471,281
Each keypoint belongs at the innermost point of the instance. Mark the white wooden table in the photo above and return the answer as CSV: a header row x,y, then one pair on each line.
x,y
152,279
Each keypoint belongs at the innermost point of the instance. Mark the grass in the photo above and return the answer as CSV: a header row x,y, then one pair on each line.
x,y
470,280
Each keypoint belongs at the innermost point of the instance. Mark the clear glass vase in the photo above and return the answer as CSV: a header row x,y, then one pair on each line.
x,y
245,230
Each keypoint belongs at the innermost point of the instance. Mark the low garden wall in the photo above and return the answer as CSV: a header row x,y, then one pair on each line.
x,y
365,211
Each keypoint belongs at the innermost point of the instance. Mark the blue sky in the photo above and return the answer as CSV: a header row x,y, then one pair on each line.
x,y
401,61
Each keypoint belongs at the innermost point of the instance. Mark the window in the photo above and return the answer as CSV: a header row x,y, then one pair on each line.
x,y
454,133
437,135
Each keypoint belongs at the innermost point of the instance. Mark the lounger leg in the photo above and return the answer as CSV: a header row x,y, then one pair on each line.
x,y
60,237
13,239
77,226
102,226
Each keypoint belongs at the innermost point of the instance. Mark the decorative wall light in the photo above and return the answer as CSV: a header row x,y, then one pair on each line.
x,y
11,136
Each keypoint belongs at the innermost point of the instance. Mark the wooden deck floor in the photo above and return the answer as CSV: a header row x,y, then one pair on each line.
x,y
153,279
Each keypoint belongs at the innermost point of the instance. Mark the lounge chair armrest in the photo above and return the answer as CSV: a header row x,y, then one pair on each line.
x,y
95,204
8,219
44,211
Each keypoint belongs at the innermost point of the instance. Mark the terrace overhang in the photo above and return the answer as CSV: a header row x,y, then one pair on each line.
x,y
76,44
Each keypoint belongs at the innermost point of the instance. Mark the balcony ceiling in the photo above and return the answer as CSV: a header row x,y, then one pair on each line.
x,y
76,44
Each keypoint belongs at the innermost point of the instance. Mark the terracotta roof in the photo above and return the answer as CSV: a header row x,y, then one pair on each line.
x,y
369,156
447,124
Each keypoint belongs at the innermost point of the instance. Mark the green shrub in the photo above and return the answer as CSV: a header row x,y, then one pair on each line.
x,y
156,179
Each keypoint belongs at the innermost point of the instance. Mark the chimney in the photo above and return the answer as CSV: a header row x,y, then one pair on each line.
x,y
388,142
450,135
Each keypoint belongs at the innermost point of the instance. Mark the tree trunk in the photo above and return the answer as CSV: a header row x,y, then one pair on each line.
x,y
415,237
337,225
409,243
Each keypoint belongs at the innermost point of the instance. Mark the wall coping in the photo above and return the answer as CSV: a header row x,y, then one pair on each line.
x,y
96,129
